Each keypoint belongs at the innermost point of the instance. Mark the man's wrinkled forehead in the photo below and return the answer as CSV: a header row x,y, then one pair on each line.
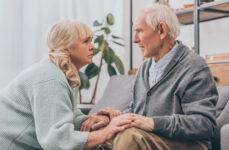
x,y
139,20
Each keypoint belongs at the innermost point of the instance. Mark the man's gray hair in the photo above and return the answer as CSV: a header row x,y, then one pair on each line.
x,y
157,13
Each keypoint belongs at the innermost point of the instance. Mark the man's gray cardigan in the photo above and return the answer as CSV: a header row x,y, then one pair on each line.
x,y
182,103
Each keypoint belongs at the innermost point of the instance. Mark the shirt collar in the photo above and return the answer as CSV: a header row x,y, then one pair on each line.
x,y
164,60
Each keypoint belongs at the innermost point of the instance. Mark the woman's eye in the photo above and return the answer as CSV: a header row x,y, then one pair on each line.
x,y
86,41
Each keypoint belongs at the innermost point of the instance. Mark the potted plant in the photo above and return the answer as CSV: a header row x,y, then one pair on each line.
x,y
165,2
103,39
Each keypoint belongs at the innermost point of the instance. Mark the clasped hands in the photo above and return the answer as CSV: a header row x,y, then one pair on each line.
x,y
106,116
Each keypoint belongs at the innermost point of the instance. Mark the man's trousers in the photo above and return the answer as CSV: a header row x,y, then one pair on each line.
x,y
137,139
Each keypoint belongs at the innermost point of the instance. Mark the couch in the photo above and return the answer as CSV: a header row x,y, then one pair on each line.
x,y
117,95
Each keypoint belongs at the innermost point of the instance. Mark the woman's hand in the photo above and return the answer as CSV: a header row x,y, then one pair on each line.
x,y
118,124
94,122
110,112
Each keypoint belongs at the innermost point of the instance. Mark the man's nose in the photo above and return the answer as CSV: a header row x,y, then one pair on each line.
x,y
136,39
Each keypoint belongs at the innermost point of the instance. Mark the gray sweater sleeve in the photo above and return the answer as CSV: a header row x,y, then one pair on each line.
x,y
54,117
198,104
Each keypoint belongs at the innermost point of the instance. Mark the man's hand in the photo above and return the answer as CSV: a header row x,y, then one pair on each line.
x,y
94,122
142,122
110,112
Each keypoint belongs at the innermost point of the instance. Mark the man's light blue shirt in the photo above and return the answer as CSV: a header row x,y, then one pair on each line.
x,y
157,68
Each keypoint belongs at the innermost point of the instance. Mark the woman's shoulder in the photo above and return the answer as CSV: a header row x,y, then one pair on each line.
x,y
41,72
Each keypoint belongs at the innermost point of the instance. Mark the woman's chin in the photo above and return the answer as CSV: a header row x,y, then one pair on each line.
x,y
89,62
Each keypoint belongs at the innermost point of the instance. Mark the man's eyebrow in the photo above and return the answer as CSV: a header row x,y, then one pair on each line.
x,y
137,29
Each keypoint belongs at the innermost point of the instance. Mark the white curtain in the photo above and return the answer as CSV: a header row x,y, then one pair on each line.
x,y
23,26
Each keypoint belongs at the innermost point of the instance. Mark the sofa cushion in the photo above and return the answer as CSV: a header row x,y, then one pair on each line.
x,y
222,107
223,99
117,94
225,137
222,111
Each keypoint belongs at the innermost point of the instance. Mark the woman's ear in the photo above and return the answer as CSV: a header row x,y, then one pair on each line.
x,y
162,30
65,51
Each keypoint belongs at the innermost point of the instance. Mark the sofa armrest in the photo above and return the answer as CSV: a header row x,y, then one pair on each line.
x,y
225,137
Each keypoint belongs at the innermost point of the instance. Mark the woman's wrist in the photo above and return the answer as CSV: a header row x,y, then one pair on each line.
x,y
102,135
95,138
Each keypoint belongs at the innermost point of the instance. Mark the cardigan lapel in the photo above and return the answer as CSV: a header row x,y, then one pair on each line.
x,y
146,74
177,56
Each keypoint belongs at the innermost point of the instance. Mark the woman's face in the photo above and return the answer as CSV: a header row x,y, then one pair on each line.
x,y
81,52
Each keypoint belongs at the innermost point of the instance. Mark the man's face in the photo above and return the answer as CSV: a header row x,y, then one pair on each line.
x,y
148,40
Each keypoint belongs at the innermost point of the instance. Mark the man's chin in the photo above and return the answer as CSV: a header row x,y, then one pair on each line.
x,y
145,55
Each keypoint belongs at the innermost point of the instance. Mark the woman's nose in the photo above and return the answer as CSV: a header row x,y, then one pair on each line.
x,y
92,46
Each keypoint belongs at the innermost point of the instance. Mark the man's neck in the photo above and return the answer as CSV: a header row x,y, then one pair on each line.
x,y
167,45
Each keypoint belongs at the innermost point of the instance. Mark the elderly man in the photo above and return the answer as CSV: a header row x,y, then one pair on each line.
x,y
174,94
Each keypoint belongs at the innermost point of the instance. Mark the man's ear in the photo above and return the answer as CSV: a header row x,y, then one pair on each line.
x,y
162,30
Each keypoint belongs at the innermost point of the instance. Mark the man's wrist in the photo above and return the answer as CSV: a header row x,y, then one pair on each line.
x,y
103,135
151,124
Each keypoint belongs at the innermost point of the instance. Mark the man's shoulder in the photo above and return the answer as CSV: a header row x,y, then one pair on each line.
x,y
195,60
190,58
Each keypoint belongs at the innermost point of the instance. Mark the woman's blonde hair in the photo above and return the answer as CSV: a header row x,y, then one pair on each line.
x,y
60,37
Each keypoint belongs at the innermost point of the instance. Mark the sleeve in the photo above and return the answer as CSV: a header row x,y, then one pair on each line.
x,y
54,117
78,119
198,104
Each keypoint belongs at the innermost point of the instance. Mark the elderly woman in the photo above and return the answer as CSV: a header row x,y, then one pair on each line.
x,y
38,108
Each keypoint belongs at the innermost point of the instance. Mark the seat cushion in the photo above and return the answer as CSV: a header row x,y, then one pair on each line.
x,y
222,112
117,94
225,137
223,99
